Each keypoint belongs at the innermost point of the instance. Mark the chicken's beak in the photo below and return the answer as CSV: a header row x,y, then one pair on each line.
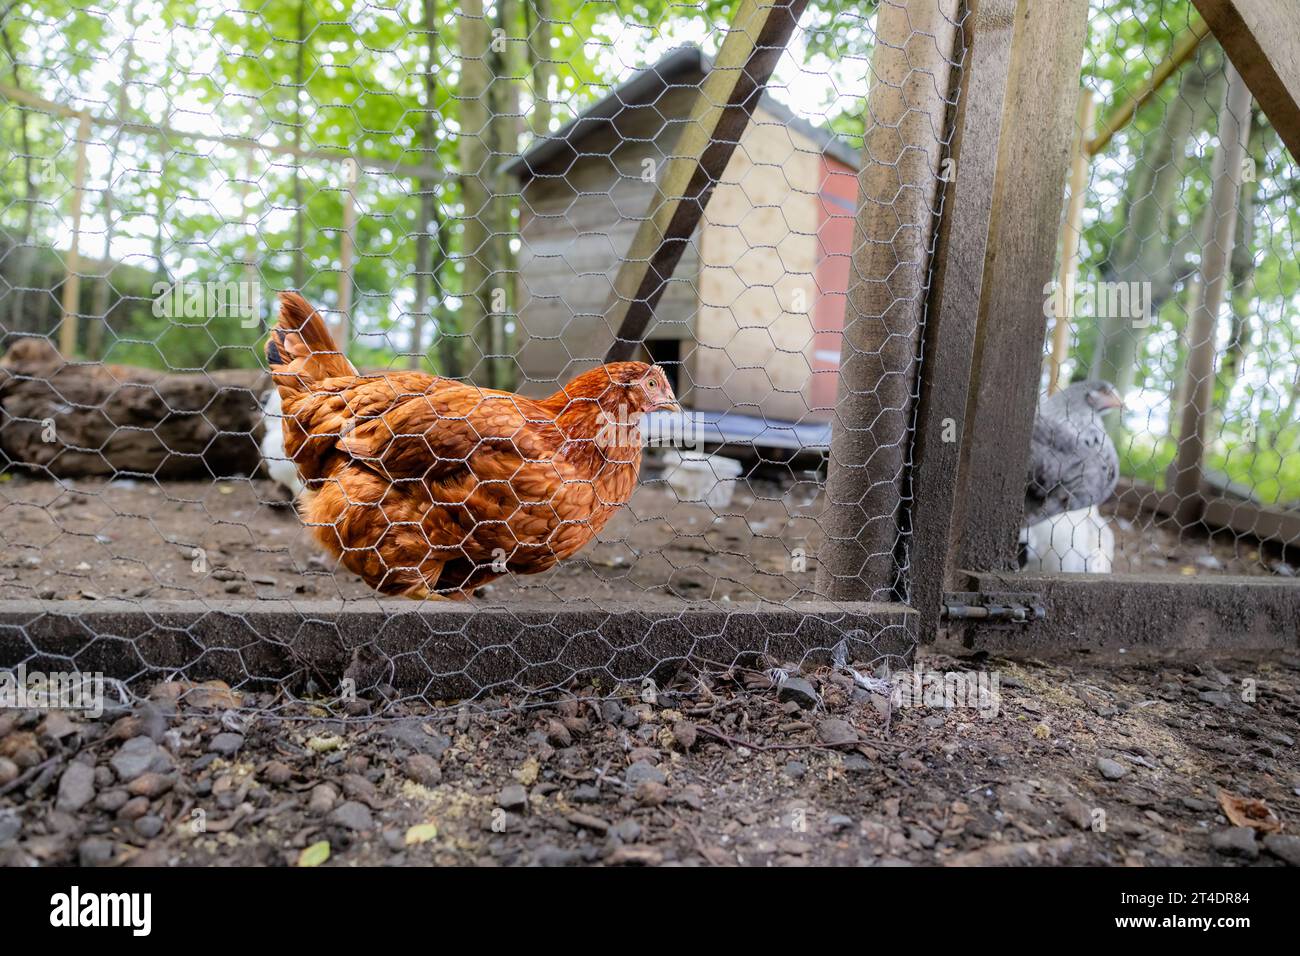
x,y
670,405
1111,399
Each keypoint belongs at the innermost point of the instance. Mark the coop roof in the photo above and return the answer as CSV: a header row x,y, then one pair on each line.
x,y
682,66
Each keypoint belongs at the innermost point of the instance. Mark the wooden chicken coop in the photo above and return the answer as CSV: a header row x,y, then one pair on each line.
x,y
752,317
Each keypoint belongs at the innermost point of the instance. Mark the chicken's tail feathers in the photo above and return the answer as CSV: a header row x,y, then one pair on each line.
x,y
300,348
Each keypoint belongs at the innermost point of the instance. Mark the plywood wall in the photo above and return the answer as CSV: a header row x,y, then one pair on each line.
x,y
757,288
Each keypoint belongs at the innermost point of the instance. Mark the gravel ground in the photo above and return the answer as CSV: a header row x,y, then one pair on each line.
x,y
1085,762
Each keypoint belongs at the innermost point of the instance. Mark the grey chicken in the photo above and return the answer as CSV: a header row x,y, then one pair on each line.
x,y
1072,461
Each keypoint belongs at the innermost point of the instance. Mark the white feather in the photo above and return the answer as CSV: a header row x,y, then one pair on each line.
x,y
1073,542
282,471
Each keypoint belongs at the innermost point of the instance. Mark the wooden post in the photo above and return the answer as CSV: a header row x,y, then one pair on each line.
x,y
1216,259
727,97
1071,234
950,330
898,190
72,280
1033,159
1263,42
347,243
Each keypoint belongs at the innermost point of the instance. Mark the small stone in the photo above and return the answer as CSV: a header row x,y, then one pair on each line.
x,y
558,735
226,744
111,801
11,824
629,831
1285,847
839,821
685,734
795,769
277,773
799,691
8,771
1111,769
76,787
424,770
149,826
322,799
512,797
1235,841
94,851
139,755
134,808
643,772
857,763
151,785
1219,698
833,732
651,794
352,815
1077,812
586,793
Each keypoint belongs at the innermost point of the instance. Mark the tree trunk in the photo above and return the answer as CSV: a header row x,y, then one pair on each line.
x,y
23,256
475,190
539,52
299,218
101,301
1146,250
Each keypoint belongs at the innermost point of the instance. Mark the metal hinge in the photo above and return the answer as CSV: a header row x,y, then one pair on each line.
x,y
993,607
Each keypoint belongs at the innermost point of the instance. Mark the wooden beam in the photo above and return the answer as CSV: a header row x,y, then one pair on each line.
x,y
1033,159
960,255
1136,612
381,166
1266,523
723,106
442,649
1071,234
1184,49
1262,39
898,198
72,278
1216,266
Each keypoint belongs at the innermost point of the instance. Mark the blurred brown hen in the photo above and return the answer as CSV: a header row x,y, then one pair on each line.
x,y
428,487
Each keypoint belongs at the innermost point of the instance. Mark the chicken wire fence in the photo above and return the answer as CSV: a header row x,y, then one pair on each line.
x,y
466,193
1177,285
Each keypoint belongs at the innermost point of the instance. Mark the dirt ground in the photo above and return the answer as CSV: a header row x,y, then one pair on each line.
x,y
196,540
1083,763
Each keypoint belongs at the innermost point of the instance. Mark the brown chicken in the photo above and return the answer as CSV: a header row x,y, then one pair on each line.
x,y
427,487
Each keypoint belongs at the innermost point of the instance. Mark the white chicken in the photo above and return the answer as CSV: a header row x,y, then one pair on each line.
x,y
281,469
1079,541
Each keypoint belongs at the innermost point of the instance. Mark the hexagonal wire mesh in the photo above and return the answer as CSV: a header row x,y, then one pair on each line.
x,y
457,189
1176,257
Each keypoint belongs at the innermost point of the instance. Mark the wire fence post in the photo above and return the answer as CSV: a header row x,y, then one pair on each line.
x,y
898,190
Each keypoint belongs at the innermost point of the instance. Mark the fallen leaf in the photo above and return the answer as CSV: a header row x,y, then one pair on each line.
x,y
315,855
1249,812
421,833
